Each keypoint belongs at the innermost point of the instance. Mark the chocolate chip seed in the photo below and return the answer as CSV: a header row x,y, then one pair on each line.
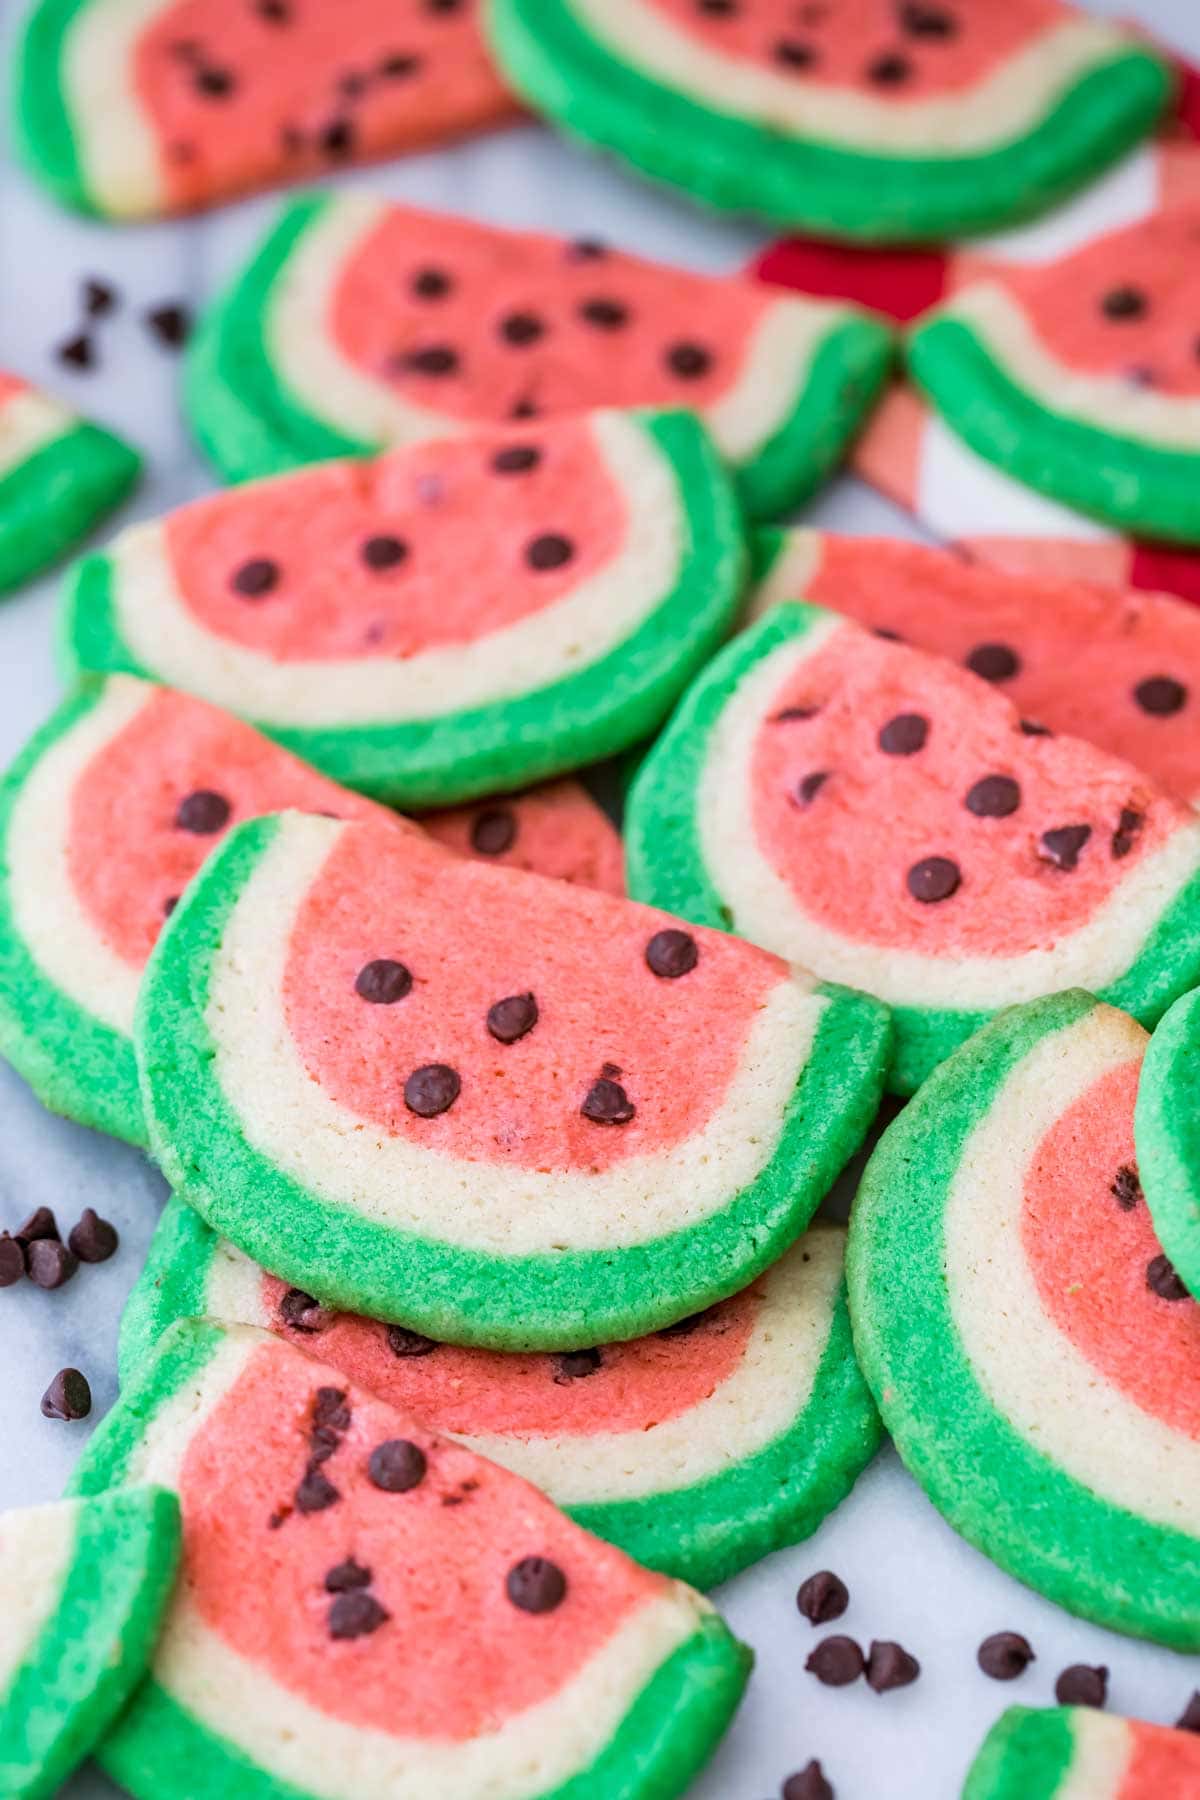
x,y
810,785
403,1342
1162,1280
922,21
1081,1685
808,1783
493,832
521,328
516,459
1126,834
384,552
536,1585
431,1090
397,1465
823,1597
994,797
671,954
1063,845
1160,696
12,1261
994,662
431,284
432,359
1031,728
302,1312
934,878
40,1224
510,1020
93,1240
689,360
204,813
794,55
1189,1718
1005,1655
889,1666
607,1103
346,1576
50,1263
1123,303
904,735
577,1365
255,578
315,1493
356,1615
550,551
1126,1187
330,1408
836,1662
68,1396
606,315
383,981
889,70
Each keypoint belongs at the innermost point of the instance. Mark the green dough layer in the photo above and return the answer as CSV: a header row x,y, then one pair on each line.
x,y
1167,1132
54,497
41,121
557,64
1025,1756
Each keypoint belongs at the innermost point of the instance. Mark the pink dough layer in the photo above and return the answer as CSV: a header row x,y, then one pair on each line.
x,y
472,936
1089,1254
1162,1763
10,385
557,830
255,1566
847,850
454,564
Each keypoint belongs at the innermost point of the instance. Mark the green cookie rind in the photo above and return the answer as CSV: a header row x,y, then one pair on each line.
x,y
1025,1756
1166,1130
45,138
566,73
665,866
76,1064
584,717
250,425
96,1645
173,1285
1000,1493
54,497
531,1302
1124,481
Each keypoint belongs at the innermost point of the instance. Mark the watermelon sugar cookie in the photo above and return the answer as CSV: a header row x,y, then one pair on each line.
x,y
369,1611
1115,666
361,324
85,1584
695,1450
1080,1753
556,829
502,1110
862,119
1042,1378
455,617
105,816
133,111
1168,1137
888,820
1080,377
59,476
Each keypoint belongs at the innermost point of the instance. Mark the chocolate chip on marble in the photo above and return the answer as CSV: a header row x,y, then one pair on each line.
x,y
99,297
68,1397
809,1783
494,831
383,981
1128,828
993,797
994,662
302,1312
1162,1280
50,1263
356,1614
934,878
403,1342
344,1577
1189,1718
397,1465
1005,1655
93,1239
576,1365
203,812
513,1018
607,1103
12,1261
836,1661
904,735
1062,846
170,323
77,352
890,1665
254,578
1082,1685
671,954
1160,696
551,550
431,1090
536,1585
823,1597
41,1223
1126,1187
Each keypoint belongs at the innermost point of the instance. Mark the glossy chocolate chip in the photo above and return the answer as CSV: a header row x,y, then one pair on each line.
x,y
12,1261
688,360
607,1103
356,1615
1124,302
50,1263
934,878
1126,1188
77,352
397,1465
890,1665
606,315
1081,1685
302,1312
431,1090
808,1783
823,1597
836,1661
1160,695
512,1019
204,812
1162,1280
384,552
904,735
1062,846
403,1342
41,1223
549,551
344,1577
521,328
576,1365
1128,830
383,981
68,1397
672,953
493,832
315,1493
99,297
93,1239
536,1585
516,459
994,662
255,578
810,785
1005,1655
993,797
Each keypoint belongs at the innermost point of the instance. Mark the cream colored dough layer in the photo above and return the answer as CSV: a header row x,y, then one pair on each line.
x,y
768,912
36,1547
1103,1748
291,1122
534,652
789,576
29,421
117,149
1005,105
1035,1377
58,933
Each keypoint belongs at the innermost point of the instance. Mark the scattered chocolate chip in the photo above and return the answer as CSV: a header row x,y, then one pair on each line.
x,y
924,21
823,1597
792,54
993,797
606,315
890,1666
808,1783
1123,303
890,69
549,551
607,1103
1189,1718
1162,1280
356,1614
68,1396
934,878
1160,695
12,1261
403,1342
384,552
577,1365
203,812
810,785
77,352
1126,834
688,360
1031,728
344,1577
836,1661
516,459
214,84
493,832
672,953
254,578
315,1493
431,1090
397,1465
1005,1655
383,981
536,1585
904,735
433,359
40,1224
49,1262
1081,1685
1062,846
170,323
521,328
302,1312
1126,1187
93,1240
994,662
99,298
512,1019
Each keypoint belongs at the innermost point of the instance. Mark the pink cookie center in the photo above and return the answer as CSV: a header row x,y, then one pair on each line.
x,y
556,830
1162,1763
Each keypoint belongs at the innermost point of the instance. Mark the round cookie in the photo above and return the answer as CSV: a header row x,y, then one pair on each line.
x,y
1042,1379
1079,377
862,119
85,1584
133,112
373,1612
360,324
1119,668
459,616
556,829
1168,1136
58,477
1070,1751
695,1451
884,818
502,1110
105,816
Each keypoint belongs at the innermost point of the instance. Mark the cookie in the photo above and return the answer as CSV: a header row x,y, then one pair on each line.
x,y
1168,1137
866,121
459,616
1104,663
1042,1379
885,819
59,476
372,1611
499,1109
557,830
104,818
361,324
1079,377
170,105
1076,1750
85,1583
695,1451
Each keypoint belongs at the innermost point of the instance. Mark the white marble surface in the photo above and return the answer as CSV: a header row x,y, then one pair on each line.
x,y
910,1577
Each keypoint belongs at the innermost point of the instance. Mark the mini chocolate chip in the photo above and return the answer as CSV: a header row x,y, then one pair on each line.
x,y
885,632
214,84
536,1585
576,1365
330,1408
993,797
383,552
1160,695
904,735
77,352
994,662
1126,1187
397,1465
810,785
93,1240
383,981
823,1597
836,1661
890,69
68,1396
337,138
516,459
672,953
274,12
1063,845
794,55
302,1312
808,1783
606,315
717,9
49,1262
40,1224
934,878
344,1577
587,249
324,1442
432,359
432,1089
688,360
684,1327
254,578
12,1261
493,832
1031,728
403,1342
549,551
99,298
203,812
607,1103
523,409
788,715
923,21
398,68
521,328
1162,1280
1128,828
315,1492
1123,303
170,323
1005,1655
431,284
356,1614
512,1019
1081,1685
1189,1718
890,1665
